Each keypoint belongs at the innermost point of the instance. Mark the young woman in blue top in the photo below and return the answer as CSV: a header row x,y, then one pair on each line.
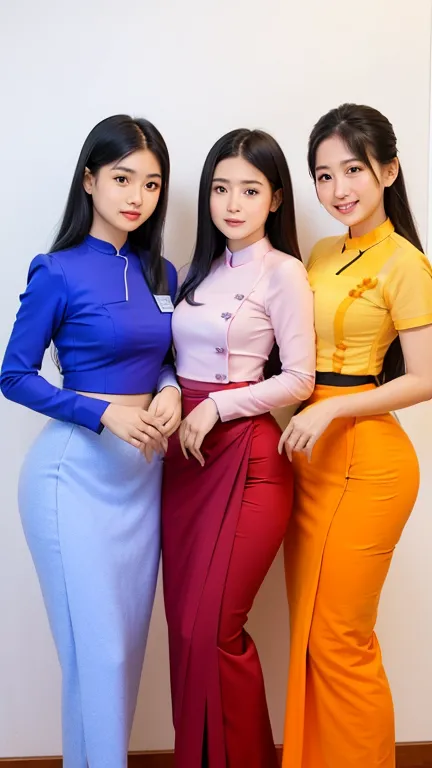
x,y
89,491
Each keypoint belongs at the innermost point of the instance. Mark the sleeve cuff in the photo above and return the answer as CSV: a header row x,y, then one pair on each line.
x,y
88,412
167,378
414,322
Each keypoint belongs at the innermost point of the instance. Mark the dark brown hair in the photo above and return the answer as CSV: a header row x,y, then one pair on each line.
x,y
263,152
366,132
110,140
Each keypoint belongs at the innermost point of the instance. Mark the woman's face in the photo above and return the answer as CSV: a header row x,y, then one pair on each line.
x,y
241,199
348,189
125,193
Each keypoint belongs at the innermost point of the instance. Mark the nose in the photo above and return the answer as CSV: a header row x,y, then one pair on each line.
x,y
135,195
233,205
341,187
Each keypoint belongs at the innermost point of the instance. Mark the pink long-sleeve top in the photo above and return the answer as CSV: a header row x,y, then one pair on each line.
x,y
249,299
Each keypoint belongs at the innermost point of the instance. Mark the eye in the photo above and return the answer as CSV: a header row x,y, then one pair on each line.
x,y
151,185
251,192
354,169
122,180
324,177
219,189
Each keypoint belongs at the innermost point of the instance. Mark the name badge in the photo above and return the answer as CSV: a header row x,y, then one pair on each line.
x,y
164,303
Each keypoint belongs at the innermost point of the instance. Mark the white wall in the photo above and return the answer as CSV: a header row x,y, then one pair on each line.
x,y
197,69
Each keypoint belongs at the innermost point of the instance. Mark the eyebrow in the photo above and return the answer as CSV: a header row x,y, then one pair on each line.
x,y
245,181
344,162
131,170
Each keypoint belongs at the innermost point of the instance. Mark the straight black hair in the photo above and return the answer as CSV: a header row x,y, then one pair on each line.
x,y
366,132
112,140
263,152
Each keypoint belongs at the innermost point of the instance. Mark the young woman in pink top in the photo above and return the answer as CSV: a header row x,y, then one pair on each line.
x,y
227,493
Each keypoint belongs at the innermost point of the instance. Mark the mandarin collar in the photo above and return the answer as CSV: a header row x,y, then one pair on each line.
x,y
253,252
371,238
104,247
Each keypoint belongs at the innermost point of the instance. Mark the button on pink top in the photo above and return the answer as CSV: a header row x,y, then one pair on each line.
x,y
249,299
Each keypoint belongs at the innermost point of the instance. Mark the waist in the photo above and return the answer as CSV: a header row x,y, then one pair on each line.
x,y
330,379
142,401
194,392
208,386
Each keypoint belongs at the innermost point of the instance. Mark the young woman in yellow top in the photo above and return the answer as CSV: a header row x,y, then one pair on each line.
x,y
356,470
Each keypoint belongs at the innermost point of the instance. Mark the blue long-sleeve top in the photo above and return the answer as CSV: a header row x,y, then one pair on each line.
x,y
94,303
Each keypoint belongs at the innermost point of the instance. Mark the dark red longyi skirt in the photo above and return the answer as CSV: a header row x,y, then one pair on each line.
x,y
200,512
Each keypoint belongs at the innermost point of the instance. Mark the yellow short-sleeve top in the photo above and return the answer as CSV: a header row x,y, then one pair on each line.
x,y
366,289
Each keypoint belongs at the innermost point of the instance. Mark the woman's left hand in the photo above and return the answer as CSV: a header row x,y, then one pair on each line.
x,y
166,406
307,427
196,426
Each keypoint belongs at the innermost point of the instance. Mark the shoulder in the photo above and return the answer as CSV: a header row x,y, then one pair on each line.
x,y
404,251
287,280
324,247
60,267
284,266
405,261
46,267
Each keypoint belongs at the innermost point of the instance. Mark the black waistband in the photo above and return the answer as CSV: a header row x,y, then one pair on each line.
x,y
342,379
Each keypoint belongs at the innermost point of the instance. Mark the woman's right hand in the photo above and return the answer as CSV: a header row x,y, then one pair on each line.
x,y
136,426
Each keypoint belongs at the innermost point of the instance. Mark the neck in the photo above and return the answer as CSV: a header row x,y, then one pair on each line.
x,y
245,242
373,221
104,231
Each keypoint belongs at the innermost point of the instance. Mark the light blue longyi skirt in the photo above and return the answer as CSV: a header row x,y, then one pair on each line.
x,y
90,508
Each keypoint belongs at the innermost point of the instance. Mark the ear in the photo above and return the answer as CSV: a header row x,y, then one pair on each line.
x,y
276,200
391,172
88,181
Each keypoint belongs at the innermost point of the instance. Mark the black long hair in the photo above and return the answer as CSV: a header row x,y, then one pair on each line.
x,y
367,132
263,152
111,140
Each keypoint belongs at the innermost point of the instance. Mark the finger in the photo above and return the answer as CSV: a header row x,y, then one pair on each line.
x,y
182,441
197,455
184,450
136,434
148,418
189,444
133,441
148,453
195,449
309,448
302,442
292,443
147,429
172,424
284,437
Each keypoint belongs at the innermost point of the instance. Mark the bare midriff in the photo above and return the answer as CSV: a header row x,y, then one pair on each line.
x,y
142,401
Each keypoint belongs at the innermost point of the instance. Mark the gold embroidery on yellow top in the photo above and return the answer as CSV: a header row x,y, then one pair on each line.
x,y
338,358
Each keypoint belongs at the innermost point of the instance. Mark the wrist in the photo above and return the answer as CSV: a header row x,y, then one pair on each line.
x,y
338,406
172,387
215,408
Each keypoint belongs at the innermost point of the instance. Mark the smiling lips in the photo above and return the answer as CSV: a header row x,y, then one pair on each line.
x,y
346,207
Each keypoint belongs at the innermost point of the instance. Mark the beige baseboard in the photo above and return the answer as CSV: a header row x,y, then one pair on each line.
x,y
416,755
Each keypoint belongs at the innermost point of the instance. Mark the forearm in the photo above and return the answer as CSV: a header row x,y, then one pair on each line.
x,y
396,394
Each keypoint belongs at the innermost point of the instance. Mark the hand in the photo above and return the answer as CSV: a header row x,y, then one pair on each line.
x,y
136,426
306,427
196,426
166,406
